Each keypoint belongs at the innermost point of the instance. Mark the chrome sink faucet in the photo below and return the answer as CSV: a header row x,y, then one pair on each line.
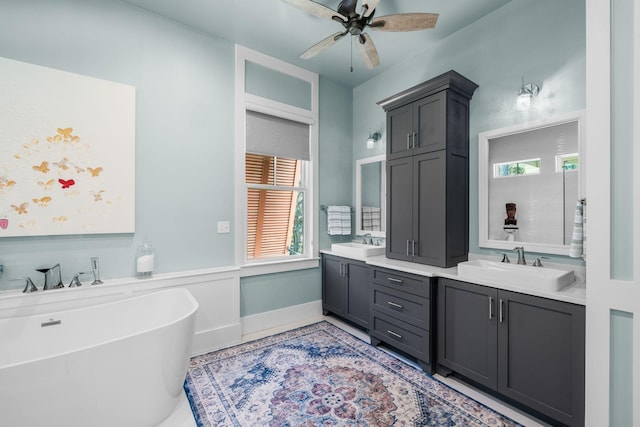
x,y
520,251
367,239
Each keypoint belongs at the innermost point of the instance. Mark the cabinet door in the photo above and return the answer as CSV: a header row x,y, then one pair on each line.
x,y
400,132
541,355
399,208
430,123
358,299
333,288
468,331
430,208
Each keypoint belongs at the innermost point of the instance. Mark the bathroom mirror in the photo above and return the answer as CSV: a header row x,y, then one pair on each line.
x,y
538,166
370,196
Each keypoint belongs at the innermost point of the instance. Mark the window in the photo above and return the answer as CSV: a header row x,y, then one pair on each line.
x,y
516,168
277,151
276,155
275,207
567,162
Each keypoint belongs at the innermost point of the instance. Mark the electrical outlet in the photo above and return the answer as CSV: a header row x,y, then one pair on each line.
x,y
224,227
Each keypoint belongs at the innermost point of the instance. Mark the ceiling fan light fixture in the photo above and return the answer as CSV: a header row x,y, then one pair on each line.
x,y
355,24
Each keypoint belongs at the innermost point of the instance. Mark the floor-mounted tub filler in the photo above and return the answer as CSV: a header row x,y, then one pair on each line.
x,y
120,363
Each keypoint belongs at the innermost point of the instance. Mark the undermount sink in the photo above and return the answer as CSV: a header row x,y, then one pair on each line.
x,y
356,249
543,278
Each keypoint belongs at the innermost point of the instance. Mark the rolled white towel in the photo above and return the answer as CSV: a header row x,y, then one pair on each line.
x,y
577,249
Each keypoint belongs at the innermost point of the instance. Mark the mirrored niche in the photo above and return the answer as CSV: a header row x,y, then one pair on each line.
x,y
530,178
370,196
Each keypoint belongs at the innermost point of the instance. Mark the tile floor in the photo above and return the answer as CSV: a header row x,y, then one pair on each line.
x,y
182,416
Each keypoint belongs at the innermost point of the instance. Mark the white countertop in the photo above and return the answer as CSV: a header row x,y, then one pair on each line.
x,y
575,293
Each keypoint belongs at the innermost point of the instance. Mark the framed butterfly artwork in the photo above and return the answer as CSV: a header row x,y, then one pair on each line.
x,y
67,153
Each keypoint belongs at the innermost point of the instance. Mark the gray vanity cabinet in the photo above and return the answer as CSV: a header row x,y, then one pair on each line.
x,y
427,222
527,348
428,171
402,313
418,127
346,289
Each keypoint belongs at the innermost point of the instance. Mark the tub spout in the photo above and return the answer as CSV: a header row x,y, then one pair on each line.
x,y
52,277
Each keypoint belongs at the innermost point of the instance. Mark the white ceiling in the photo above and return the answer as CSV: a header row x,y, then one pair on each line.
x,y
284,32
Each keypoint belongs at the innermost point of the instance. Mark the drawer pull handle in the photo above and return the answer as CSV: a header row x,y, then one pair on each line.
x,y
393,304
490,308
393,334
391,279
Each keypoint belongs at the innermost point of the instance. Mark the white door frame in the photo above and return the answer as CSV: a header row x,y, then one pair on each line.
x,y
605,294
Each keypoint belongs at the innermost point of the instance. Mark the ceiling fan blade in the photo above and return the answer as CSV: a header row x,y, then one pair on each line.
x,y
368,7
404,22
316,9
322,45
368,51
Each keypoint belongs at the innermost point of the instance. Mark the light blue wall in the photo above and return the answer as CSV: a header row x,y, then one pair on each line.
x,y
184,83
544,41
184,131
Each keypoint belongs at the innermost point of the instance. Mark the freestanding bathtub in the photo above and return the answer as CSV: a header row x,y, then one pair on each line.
x,y
116,364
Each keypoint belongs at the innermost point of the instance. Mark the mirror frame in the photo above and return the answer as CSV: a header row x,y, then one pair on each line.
x,y
483,179
383,195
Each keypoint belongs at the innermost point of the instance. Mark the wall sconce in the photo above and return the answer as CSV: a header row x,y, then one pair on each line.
x,y
527,91
373,139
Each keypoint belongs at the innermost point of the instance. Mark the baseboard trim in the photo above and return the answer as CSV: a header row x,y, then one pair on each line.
x,y
216,339
300,313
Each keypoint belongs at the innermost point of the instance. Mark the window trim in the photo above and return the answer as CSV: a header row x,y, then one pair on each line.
x,y
245,101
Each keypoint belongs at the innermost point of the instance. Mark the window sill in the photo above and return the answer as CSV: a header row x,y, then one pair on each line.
x,y
258,269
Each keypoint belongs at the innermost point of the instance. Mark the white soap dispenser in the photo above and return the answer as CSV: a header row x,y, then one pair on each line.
x,y
144,261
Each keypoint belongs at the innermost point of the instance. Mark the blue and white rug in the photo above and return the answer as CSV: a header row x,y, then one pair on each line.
x,y
320,375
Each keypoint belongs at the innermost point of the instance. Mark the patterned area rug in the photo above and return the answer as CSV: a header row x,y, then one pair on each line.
x,y
319,375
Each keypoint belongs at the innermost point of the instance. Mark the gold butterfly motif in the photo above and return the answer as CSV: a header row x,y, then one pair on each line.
x,y
44,167
54,139
28,224
47,185
43,202
4,182
62,164
96,171
97,196
66,132
58,219
22,209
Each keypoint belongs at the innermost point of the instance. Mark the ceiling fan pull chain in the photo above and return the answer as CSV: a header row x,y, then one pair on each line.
x,y
351,68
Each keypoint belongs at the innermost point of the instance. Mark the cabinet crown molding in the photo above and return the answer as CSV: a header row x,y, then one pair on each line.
x,y
449,80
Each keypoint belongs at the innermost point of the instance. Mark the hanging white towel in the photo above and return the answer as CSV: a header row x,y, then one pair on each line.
x,y
577,248
334,220
370,218
345,220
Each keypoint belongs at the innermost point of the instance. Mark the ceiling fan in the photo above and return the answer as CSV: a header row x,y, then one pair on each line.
x,y
355,24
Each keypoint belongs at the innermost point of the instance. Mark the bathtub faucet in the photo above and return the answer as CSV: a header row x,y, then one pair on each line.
x,y
52,277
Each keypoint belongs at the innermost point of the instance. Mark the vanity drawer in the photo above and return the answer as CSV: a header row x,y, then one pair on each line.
x,y
402,306
405,282
405,337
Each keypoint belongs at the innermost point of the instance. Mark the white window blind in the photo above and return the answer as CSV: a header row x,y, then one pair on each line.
x,y
271,135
